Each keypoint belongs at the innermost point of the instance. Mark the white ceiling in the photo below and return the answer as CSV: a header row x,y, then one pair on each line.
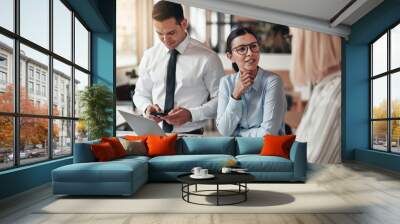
x,y
321,9
314,15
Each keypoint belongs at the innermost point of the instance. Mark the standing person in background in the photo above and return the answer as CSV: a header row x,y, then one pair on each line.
x,y
178,75
316,60
251,102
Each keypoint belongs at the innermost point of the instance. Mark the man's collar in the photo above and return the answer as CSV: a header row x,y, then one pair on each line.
x,y
182,46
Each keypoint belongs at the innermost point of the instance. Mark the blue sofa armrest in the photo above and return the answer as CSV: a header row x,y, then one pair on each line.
x,y
83,153
298,154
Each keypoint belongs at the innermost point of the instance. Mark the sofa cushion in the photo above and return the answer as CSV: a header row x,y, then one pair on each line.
x,y
277,145
257,163
135,137
185,163
134,147
248,145
161,145
116,145
103,152
133,158
112,171
206,145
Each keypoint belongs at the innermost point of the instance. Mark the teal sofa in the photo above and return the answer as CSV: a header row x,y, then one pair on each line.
x,y
125,176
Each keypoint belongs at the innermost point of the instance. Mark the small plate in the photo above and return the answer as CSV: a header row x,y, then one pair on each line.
x,y
208,176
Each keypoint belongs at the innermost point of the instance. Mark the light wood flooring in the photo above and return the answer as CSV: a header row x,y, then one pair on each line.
x,y
377,188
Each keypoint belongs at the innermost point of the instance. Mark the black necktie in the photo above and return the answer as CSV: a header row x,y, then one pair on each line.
x,y
170,87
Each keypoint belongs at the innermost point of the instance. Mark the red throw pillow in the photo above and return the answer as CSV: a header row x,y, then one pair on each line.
x,y
277,145
116,145
161,145
103,151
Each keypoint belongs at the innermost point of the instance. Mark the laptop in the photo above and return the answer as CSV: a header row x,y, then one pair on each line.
x,y
142,125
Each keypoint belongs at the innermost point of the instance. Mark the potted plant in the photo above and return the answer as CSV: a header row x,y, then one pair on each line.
x,y
96,104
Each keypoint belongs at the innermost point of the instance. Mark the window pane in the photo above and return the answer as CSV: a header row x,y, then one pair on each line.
x,y
81,45
34,80
6,74
7,14
395,47
62,29
62,89
6,142
81,131
62,141
81,81
395,94
379,135
214,29
395,136
33,139
35,21
379,98
379,55
127,34
197,23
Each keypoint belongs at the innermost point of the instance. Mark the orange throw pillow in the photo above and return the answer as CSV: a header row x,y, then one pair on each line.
x,y
116,145
277,145
161,145
135,137
103,151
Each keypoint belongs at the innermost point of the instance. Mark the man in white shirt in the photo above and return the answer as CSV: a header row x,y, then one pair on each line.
x,y
179,76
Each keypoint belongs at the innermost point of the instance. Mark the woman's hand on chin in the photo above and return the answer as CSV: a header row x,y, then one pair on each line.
x,y
242,84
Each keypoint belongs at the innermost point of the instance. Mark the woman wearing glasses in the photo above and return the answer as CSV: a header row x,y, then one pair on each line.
x,y
251,102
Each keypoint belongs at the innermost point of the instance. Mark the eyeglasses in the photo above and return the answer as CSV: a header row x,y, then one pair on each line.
x,y
242,49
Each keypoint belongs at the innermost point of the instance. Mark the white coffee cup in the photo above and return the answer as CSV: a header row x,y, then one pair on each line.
x,y
226,170
203,172
196,170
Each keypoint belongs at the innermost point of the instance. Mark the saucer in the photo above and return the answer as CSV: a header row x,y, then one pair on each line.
x,y
208,176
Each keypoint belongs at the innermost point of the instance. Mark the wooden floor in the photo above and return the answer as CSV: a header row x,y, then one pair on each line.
x,y
378,189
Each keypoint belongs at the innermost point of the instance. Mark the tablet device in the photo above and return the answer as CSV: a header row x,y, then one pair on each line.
x,y
142,125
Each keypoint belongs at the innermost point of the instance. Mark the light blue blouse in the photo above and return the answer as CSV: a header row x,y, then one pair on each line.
x,y
260,111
